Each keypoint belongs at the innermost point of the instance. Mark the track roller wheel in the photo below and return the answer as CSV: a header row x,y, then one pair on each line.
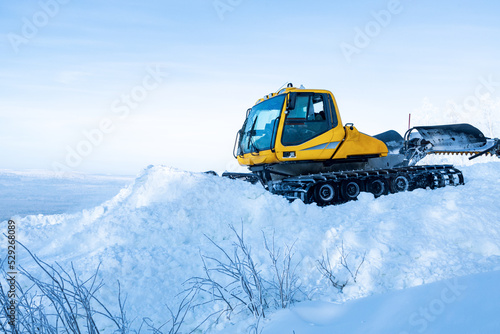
x,y
437,180
350,190
325,193
422,181
377,187
400,183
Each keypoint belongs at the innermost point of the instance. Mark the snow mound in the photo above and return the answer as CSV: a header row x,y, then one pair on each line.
x,y
459,305
150,235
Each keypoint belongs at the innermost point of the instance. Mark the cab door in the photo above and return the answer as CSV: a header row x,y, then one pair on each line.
x,y
310,128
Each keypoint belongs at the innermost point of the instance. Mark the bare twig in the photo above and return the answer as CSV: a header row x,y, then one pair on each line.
x,y
328,271
285,280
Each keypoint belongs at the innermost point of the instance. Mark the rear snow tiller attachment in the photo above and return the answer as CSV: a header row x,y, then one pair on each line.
x,y
449,139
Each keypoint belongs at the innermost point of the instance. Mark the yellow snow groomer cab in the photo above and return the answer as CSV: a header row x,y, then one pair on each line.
x,y
297,130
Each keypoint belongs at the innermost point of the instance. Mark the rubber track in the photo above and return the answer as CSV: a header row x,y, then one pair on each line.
x,y
304,187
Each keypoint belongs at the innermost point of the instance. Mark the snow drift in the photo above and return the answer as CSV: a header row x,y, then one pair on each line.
x,y
150,235
459,305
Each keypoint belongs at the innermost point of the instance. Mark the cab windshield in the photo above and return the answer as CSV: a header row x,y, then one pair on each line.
x,y
260,126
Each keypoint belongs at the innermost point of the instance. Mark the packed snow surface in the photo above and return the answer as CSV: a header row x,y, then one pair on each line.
x,y
150,235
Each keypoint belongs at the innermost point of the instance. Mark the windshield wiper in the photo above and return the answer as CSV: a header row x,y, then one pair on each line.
x,y
250,135
255,149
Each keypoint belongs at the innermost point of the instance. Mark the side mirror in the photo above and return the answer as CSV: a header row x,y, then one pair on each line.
x,y
292,97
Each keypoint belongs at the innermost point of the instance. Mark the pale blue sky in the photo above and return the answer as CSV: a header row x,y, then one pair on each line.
x,y
66,76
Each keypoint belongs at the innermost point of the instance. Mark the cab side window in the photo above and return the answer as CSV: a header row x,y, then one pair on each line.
x,y
307,120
